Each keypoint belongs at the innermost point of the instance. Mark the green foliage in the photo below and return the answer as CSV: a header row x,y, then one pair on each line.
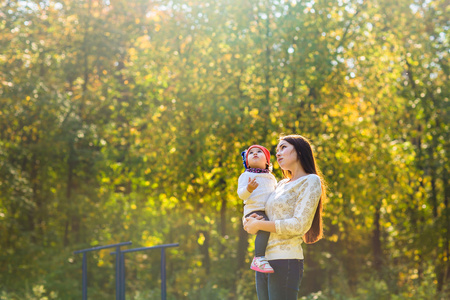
x,y
37,292
124,120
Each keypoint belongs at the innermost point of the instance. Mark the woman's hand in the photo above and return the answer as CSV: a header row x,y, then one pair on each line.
x,y
256,216
251,224
253,215
254,223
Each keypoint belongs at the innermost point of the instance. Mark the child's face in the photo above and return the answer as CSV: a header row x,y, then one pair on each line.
x,y
256,158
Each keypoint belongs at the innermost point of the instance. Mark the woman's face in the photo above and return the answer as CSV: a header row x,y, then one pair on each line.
x,y
286,155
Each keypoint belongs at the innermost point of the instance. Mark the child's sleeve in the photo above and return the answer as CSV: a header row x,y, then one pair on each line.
x,y
242,191
305,209
274,182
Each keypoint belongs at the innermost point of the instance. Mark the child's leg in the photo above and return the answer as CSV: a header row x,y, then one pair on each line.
x,y
260,263
262,237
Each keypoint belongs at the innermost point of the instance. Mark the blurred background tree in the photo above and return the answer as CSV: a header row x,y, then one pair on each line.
x,y
124,120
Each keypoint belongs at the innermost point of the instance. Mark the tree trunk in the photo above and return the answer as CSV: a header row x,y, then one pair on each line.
x,y
204,249
433,175
68,194
443,269
37,199
376,242
223,217
242,248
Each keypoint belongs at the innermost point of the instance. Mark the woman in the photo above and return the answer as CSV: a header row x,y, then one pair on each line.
x,y
295,214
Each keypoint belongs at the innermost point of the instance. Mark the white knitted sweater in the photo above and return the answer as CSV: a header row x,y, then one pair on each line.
x,y
292,206
257,199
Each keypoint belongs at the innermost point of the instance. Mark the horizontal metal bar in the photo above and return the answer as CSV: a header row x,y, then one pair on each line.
x,y
102,247
148,248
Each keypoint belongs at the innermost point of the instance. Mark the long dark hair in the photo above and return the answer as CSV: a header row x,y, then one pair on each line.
x,y
306,157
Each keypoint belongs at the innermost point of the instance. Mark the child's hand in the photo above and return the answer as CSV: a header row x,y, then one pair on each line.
x,y
252,185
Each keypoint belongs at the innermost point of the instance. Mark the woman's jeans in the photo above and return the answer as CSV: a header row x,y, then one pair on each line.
x,y
262,237
284,283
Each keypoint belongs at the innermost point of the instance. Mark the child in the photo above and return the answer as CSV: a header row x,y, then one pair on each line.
x,y
254,187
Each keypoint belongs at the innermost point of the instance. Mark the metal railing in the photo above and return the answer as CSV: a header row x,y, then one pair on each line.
x,y
118,267
163,266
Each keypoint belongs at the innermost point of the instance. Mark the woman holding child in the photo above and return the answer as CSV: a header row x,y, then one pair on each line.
x,y
294,211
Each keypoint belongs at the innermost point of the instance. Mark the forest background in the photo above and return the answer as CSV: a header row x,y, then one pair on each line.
x,y
124,121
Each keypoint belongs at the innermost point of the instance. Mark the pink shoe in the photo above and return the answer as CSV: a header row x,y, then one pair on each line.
x,y
260,264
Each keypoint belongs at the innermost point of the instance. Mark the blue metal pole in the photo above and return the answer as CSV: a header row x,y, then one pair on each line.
x,y
102,247
163,274
122,259
84,277
118,274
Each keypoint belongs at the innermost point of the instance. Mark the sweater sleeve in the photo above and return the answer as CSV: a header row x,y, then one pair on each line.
x,y
242,191
305,208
